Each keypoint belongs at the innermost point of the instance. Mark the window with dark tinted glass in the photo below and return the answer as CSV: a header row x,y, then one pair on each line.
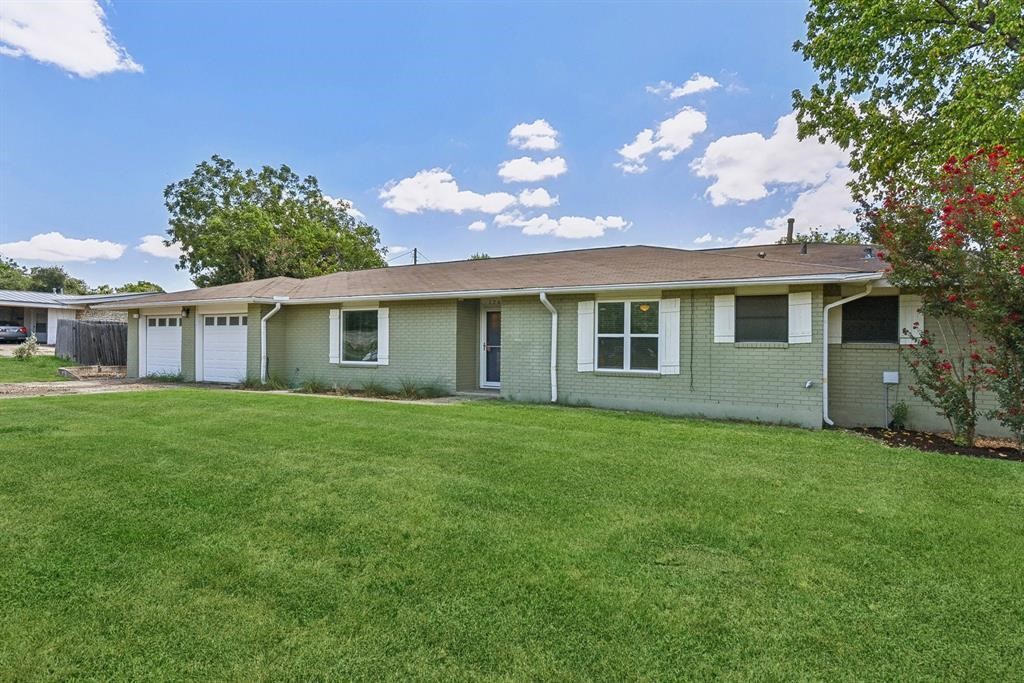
x,y
872,319
359,336
762,318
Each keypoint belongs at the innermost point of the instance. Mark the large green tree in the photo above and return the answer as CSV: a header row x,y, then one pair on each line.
x,y
55,278
902,84
235,225
13,276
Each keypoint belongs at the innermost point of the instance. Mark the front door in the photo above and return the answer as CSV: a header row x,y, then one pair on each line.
x,y
490,360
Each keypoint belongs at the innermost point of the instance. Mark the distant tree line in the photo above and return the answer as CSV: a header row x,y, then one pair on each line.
x,y
55,278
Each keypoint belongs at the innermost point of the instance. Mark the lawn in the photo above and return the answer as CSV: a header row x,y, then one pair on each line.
x,y
36,369
210,534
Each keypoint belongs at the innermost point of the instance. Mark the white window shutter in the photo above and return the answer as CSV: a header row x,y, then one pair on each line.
x,y
668,336
911,318
334,337
383,336
800,318
835,325
585,331
725,318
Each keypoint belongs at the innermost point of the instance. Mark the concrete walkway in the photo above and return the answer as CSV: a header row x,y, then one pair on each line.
x,y
70,388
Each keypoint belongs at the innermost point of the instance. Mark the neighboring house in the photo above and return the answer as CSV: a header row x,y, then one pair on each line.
x,y
39,312
737,333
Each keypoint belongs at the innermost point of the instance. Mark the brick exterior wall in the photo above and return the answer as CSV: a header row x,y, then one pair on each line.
x,y
857,395
422,345
734,381
467,345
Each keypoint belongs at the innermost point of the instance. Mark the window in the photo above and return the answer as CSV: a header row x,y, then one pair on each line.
x,y
210,320
172,322
762,318
233,321
627,335
161,322
152,322
245,320
872,319
222,320
359,336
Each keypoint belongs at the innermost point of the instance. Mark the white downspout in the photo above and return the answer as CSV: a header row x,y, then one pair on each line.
x,y
554,345
263,341
824,349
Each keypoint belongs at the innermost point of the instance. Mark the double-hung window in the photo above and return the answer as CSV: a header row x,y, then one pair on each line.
x,y
359,336
627,335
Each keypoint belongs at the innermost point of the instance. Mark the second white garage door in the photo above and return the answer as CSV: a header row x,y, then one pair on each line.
x,y
224,347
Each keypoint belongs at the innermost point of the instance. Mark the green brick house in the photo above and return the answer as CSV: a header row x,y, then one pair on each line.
x,y
805,335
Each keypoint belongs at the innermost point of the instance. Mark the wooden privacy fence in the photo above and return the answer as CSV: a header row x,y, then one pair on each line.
x,y
90,342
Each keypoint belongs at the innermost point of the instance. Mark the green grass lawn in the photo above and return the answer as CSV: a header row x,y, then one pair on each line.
x,y
209,534
36,369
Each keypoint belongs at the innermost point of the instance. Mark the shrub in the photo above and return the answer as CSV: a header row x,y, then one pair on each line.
x,y
315,386
167,377
898,415
27,348
949,377
272,384
1006,379
375,390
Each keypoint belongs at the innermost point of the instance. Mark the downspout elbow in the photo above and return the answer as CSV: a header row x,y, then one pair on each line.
x,y
263,341
554,345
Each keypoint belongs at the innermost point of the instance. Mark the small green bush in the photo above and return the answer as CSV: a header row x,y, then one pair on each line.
x,y
272,384
315,386
375,390
26,349
166,377
898,415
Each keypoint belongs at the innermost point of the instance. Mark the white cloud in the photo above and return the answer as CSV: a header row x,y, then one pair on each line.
x,y
672,137
705,238
570,227
154,246
697,83
397,248
436,190
526,170
347,205
538,198
71,35
743,166
824,207
477,226
539,135
55,247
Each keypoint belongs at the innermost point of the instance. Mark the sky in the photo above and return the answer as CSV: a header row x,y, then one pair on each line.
x,y
454,128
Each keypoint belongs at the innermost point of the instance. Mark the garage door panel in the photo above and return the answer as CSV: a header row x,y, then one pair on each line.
x,y
225,344
163,346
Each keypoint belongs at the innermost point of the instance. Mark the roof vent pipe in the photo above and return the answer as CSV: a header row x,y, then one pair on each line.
x,y
789,230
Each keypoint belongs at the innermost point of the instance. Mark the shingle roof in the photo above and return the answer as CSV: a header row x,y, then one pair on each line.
x,y
609,266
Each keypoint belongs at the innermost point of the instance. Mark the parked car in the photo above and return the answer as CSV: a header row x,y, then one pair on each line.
x,y
11,332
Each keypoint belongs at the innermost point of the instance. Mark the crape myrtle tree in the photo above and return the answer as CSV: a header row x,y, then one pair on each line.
x,y
235,225
959,241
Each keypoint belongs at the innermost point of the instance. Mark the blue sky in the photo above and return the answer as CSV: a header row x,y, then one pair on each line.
x,y
407,110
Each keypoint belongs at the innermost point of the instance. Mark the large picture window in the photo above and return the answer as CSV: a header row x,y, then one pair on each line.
x,y
762,318
872,319
627,335
359,336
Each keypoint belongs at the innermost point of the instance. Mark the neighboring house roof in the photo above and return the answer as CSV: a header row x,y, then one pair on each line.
x,y
13,297
602,268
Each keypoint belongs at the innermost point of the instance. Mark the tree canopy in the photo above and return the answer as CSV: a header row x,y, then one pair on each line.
x,y
235,225
902,84
837,236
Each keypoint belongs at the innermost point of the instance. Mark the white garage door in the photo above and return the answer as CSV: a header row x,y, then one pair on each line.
x,y
163,345
224,347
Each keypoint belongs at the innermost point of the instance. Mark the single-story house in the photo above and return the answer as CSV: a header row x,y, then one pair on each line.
x,y
797,334
39,312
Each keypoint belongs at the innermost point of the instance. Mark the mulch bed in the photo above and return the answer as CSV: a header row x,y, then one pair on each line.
x,y
940,444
